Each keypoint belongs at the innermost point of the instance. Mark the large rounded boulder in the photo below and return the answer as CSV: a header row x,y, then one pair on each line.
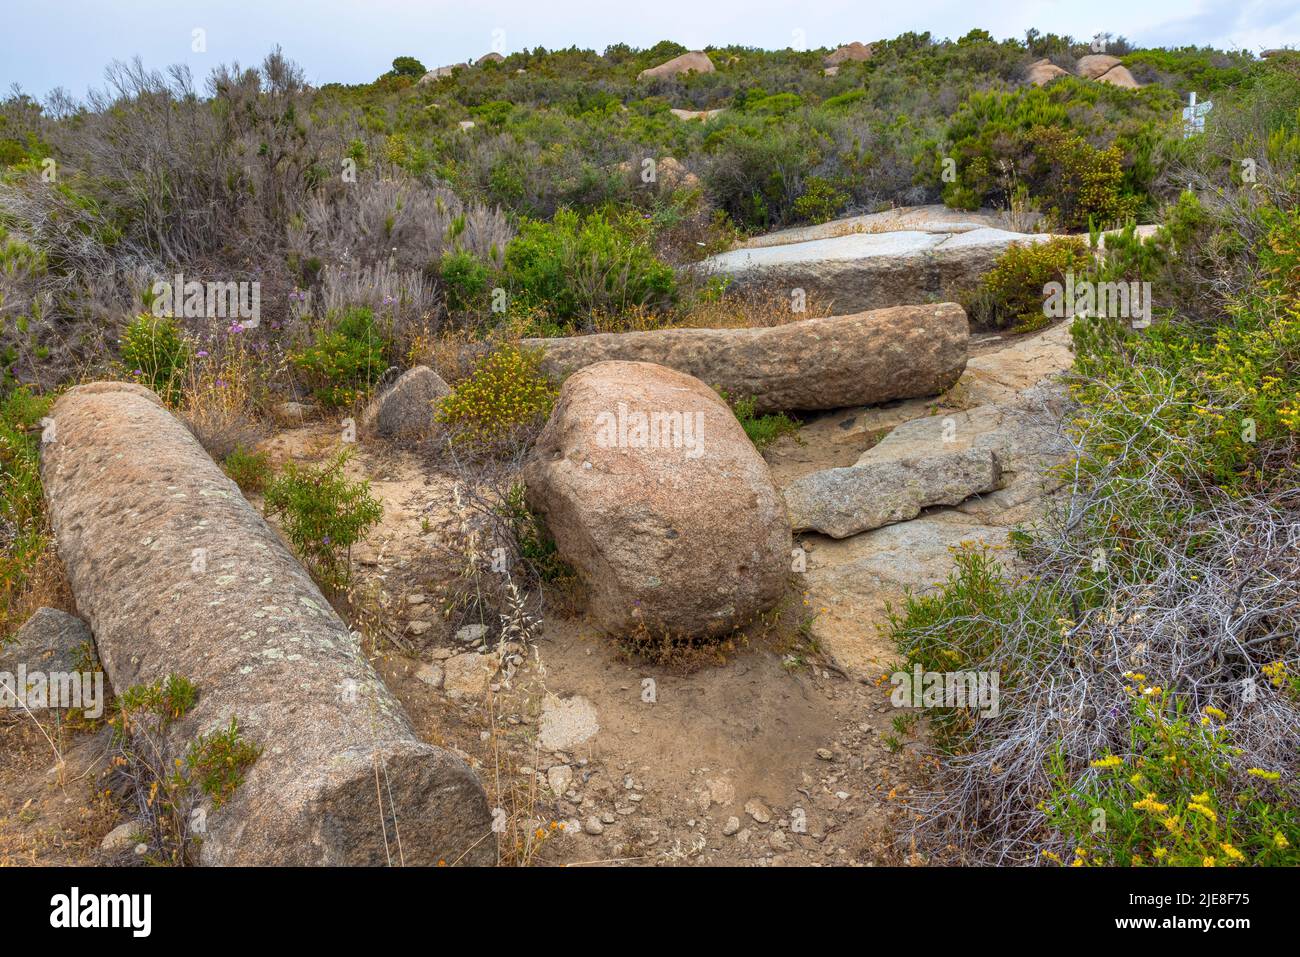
x,y
658,499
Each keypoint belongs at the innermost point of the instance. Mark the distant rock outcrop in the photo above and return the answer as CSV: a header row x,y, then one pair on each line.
x,y
850,51
656,496
826,363
1101,67
1119,76
438,72
1044,71
694,62
1095,65
701,115
492,57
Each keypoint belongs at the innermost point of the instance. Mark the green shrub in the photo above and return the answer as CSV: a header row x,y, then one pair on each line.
x,y
156,353
575,266
248,468
345,361
219,760
505,395
465,280
1083,185
762,430
168,699
408,66
323,516
22,502
820,201
1011,294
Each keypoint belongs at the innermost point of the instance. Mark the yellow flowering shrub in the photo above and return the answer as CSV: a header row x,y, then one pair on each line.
x,y
1180,798
505,394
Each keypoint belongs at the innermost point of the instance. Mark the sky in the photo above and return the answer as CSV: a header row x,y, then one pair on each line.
x,y
68,43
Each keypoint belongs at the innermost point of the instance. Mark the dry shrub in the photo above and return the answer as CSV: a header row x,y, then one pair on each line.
x,y
225,387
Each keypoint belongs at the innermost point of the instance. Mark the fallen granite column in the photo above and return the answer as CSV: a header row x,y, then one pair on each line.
x,y
827,363
178,574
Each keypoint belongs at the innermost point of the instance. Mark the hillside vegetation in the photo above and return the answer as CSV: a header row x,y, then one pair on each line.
x,y
1146,641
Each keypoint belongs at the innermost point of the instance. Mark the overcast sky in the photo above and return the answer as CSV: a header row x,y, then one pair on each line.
x,y
49,43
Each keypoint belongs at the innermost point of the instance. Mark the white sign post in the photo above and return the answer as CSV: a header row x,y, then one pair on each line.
x,y
1194,116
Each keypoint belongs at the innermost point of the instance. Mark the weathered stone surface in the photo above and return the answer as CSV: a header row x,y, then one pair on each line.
x,y
178,574
679,530
859,359
1095,65
1120,76
1005,449
934,218
694,62
467,675
844,501
862,271
50,640
51,644
405,409
1043,71
997,377
850,581
850,51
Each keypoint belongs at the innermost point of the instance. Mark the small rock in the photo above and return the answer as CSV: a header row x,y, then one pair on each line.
x,y
731,827
406,408
593,825
758,811
467,674
416,599
471,634
825,754
778,841
430,673
559,778
141,849
418,628
722,792
290,414
120,838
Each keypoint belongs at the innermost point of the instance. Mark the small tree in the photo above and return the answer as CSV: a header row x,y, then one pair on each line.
x,y
408,66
